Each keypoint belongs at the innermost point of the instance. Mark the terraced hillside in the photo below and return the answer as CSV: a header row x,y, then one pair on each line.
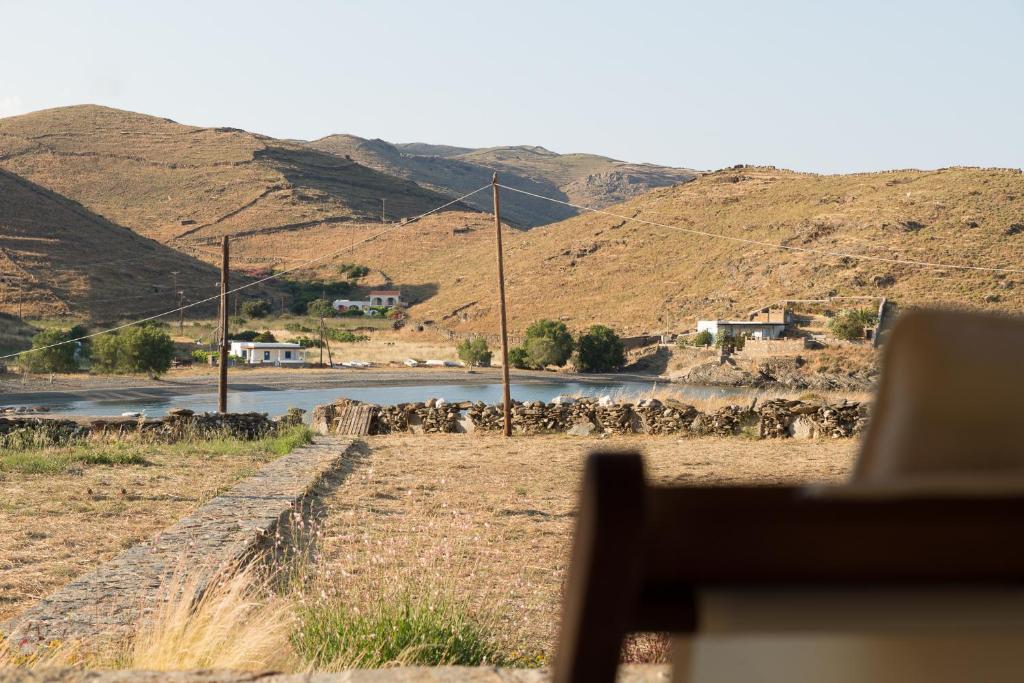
x,y
598,268
59,259
190,185
585,179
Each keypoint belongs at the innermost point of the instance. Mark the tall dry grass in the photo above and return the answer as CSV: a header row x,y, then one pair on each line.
x,y
236,621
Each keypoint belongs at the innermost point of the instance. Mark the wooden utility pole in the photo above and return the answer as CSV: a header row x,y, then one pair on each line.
x,y
181,313
506,390
222,384
383,210
321,341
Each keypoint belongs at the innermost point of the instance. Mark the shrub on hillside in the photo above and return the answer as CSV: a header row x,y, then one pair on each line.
x,y
245,335
600,350
266,337
345,336
320,308
61,358
134,349
474,351
256,308
353,271
849,325
548,342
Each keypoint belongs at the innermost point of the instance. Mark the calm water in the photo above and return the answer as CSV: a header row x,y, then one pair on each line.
x,y
276,402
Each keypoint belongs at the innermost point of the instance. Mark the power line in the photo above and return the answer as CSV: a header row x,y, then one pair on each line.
x,y
776,245
395,226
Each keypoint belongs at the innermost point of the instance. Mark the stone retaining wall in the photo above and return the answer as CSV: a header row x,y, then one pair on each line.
x,y
108,602
179,423
777,418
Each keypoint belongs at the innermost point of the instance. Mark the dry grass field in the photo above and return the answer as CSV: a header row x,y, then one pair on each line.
x,y
487,522
64,510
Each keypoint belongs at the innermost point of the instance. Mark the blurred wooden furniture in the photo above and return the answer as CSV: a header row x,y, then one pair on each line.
x,y
914,571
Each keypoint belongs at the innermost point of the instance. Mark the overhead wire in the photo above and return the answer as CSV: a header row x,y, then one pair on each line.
x,y
272,276
776,245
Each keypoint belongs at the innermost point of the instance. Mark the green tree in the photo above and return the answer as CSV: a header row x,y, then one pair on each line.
x,y
600,350
145,349
474,351
59,358
518,358
266,337
849,325
703,338
320,308
548,342
256,308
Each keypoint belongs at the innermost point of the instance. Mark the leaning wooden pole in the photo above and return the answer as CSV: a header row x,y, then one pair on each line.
x,y
222,384
506,390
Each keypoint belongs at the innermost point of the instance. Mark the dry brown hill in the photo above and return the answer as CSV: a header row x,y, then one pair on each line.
x,y
190,185
58,258
596,268
585,179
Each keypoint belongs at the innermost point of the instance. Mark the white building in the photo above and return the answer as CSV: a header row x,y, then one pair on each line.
x,y
386,297
736,328
347,304
269,353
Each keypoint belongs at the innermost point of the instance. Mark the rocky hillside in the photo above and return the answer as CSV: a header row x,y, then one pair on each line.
x,y
188,185
585,179
638,277
57,258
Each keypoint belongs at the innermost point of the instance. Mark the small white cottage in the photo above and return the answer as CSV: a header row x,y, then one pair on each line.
x,y
269,353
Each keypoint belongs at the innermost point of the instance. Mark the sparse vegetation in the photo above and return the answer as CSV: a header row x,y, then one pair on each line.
x,y
600,350
61,357
473,351
353,271
143,348
702,338
547,342
407,629
319,308
256,308
850,325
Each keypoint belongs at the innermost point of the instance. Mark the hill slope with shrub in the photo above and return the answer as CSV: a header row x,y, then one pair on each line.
x,y
59,259
636,277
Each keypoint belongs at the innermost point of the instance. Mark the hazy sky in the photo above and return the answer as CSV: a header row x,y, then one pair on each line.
x,y
818,86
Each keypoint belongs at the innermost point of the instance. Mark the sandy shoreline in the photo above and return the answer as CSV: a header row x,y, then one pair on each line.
x,y
85,387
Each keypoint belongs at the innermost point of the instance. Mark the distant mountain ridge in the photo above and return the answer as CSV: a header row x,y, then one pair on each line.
x,y
189,184
583,179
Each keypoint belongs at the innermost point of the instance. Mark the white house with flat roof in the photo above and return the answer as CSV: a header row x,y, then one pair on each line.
x,y
754,329
269,353
348,304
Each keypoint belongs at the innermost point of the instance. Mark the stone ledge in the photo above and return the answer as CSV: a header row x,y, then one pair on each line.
x,y
107,602
443,674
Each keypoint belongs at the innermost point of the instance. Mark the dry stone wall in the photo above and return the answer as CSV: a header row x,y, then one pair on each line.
x,y
778,418
176,425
